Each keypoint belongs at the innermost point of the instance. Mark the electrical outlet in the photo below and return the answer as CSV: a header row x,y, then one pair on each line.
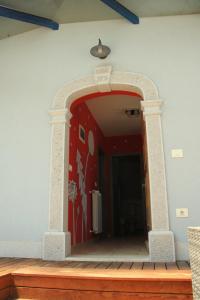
x,y
182,212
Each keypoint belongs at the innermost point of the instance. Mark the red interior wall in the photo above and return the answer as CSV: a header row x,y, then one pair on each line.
x,y
111,146
82,116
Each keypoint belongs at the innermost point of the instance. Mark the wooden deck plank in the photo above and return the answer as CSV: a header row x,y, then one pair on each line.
x,y
148,266
111,280
114,265
4,293
137,266
126,266
172,266
52,294
72,264
4,260
9,262
66,264
183,265
56,264
51,264
82,264
92,265
5,281
160,266
103,265
13,265
100,273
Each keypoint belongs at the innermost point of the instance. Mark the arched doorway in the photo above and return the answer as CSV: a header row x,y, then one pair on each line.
x,y
106,159
57,241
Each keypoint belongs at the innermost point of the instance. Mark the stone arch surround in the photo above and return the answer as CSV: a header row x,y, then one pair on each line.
x,y
57,241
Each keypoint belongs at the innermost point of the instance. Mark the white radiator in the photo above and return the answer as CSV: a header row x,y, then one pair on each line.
x,y
96,212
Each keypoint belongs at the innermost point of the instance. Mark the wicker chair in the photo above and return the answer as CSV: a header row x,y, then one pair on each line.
x,y
194,250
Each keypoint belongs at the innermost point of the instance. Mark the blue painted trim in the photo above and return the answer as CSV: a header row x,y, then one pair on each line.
x,y
122,10
25,17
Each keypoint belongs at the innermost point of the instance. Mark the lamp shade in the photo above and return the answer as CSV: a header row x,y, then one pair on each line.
x,y
101,51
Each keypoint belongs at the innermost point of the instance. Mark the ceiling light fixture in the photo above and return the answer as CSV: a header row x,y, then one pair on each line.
x,y
101,51
132,112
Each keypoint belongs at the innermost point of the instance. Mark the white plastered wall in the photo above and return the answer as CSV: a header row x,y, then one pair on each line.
x,y
34,65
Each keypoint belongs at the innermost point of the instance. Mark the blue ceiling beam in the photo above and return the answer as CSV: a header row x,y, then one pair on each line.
x,y
122,10
28,18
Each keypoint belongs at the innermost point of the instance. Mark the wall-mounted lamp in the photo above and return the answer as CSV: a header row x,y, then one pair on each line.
x,y
101,51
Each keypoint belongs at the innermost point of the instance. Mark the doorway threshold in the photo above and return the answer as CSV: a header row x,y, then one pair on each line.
x,y
116,249
109,258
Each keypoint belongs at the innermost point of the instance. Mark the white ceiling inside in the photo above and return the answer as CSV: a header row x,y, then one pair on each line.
x,y
67,11
109,113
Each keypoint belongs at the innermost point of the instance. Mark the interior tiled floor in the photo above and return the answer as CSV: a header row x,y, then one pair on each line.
x,y
112,249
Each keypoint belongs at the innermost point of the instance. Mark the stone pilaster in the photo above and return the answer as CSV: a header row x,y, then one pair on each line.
x,y
57,240
161,239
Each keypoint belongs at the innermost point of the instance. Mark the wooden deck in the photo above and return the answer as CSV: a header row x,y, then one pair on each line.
x,y
37,279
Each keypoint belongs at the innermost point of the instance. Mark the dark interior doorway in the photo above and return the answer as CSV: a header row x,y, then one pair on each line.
x,y
128,196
